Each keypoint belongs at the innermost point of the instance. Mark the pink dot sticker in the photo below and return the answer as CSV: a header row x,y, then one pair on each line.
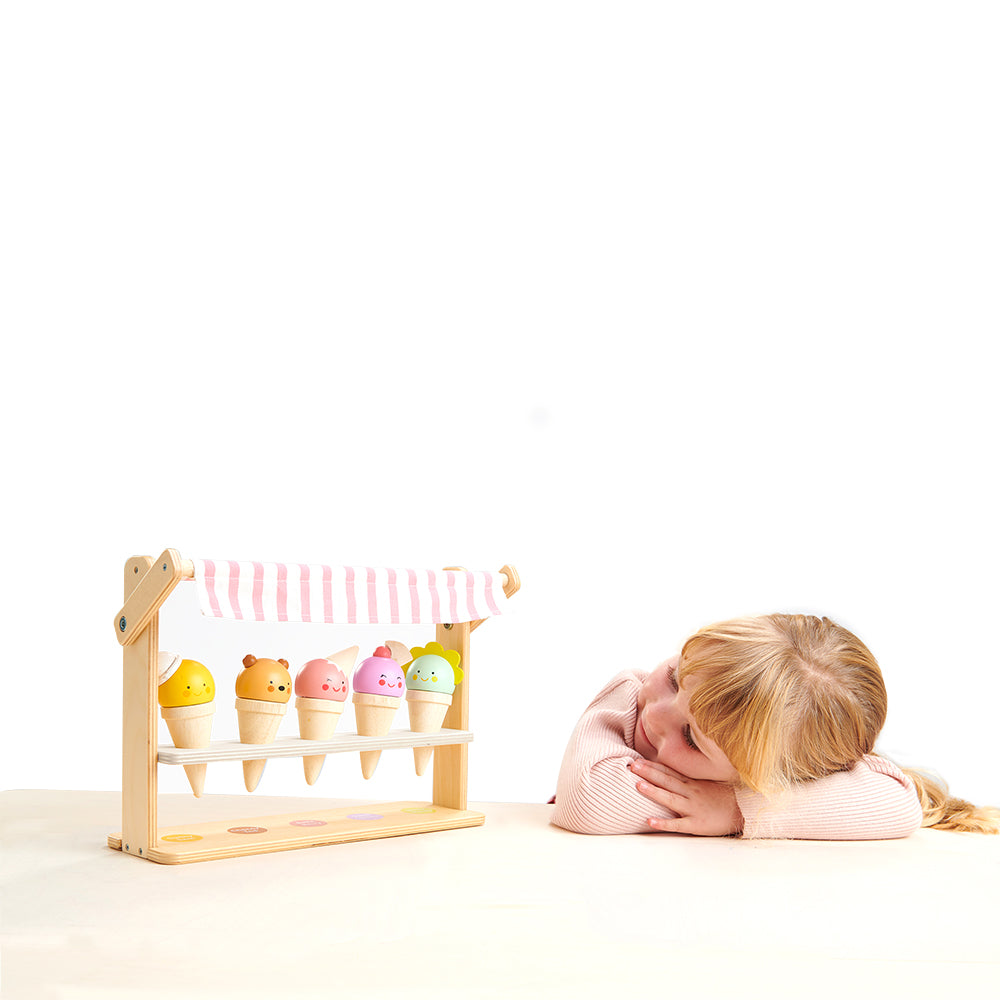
x,y
308,822
365,816
247,829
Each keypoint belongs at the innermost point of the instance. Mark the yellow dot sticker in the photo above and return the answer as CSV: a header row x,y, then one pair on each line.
x,y
180,838
418,809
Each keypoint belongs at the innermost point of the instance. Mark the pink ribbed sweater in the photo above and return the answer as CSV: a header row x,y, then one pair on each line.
x,y
596,792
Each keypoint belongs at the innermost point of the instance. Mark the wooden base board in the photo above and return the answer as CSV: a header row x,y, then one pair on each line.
x,y
192,842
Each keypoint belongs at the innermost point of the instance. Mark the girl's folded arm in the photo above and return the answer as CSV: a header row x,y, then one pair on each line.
x,y
872,801
601,798
596,791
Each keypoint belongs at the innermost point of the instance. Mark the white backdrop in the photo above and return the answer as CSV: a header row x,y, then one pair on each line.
x,y
684,310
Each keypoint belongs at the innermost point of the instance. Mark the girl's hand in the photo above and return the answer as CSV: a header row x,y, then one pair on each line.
x,y
704,808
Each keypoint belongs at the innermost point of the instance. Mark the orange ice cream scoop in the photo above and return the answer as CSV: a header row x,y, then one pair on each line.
x,y
264,680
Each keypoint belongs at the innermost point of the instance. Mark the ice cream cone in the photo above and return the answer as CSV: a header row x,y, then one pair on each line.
x,y
190,728
427,711
318,718
186,692
259,722
374,714
430,683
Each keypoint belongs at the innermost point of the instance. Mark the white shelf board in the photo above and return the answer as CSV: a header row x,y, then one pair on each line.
x,y
397,739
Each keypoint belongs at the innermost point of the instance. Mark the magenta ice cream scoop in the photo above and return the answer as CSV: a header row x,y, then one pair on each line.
x,y
380,674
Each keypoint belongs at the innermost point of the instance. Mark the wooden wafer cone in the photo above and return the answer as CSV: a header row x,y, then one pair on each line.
x,y
259,722
374,714
318,718
190,728
427,710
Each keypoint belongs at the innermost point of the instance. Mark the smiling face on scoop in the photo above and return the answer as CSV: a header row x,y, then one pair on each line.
x,y
264,680
379,674
190,683
431,673
321,679
434,668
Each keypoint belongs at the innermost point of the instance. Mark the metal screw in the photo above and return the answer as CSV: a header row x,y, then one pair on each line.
x,y
449,626
122,625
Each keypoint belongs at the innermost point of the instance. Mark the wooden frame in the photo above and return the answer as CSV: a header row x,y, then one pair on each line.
x,y
148,583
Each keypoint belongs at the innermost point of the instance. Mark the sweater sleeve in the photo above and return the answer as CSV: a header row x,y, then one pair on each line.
x,y
872,801
596,791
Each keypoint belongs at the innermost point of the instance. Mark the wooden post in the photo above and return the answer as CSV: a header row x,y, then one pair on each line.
x,y
139,726
451,763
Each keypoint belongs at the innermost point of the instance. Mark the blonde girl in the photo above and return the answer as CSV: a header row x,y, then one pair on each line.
x,y
762,726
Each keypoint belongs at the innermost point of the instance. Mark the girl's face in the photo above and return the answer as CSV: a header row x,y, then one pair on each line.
x,y
665,731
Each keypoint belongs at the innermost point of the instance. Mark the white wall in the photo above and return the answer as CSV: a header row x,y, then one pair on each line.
x,y
684,310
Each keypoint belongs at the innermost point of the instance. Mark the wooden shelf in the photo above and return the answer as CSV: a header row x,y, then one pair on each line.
x,y
397,739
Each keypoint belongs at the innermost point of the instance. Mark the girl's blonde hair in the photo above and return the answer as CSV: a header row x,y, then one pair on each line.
x,y
789,698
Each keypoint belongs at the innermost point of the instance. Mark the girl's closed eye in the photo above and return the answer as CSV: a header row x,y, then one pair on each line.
x,y
686,729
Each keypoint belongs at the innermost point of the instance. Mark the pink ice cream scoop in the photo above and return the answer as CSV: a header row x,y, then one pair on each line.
x,y
321,679
380,674
320,694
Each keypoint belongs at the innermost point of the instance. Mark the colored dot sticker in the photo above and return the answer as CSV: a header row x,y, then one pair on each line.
x,y
420,810
180,838
365,816
247,829
308,822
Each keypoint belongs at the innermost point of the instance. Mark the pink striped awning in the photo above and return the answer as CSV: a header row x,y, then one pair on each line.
x,y
345,595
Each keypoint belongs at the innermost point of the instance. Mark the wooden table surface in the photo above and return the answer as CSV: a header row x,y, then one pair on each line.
x,y
514,905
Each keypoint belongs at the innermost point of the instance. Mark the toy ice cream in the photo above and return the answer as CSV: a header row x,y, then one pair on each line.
x,y
320,695
186,694
378,686
430,684
262,692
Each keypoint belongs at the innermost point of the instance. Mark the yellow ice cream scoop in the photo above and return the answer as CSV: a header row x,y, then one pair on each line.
x,y
183,682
